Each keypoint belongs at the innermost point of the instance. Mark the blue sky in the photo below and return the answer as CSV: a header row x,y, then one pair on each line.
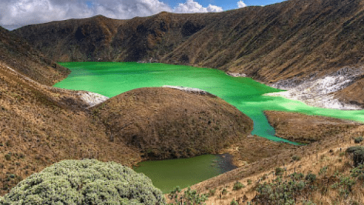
x,y
18,13
226,4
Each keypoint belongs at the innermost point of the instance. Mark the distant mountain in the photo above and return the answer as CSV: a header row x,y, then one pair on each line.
x,y
296,38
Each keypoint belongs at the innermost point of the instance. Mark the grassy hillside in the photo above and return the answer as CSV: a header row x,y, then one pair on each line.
x,y
307,128
19,55
323,172
168,123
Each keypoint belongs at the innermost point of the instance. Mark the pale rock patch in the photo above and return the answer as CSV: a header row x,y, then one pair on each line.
x,y
187,89
91,98
319,92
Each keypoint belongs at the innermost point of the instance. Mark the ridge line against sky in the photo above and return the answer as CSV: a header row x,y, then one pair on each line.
x,y
18,13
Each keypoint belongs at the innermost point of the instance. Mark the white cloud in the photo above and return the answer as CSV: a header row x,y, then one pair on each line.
x,y
241,4
17,13
194,7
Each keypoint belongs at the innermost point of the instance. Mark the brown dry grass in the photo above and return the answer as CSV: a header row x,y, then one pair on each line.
x,y
307,128
168,123
40,126
326,152
290,40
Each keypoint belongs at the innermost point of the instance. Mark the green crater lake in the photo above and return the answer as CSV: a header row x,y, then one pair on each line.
x,y
111,79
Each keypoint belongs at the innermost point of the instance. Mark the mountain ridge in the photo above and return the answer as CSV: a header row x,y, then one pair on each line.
x,y
293,40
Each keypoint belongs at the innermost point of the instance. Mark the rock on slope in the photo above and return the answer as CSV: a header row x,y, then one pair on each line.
x,y
165,122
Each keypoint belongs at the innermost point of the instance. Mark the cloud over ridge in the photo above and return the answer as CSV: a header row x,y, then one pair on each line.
x,y
17,13
241,4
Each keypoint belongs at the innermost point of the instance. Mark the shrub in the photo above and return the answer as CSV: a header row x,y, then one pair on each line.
x,y
238,186
8,157
279,171
358,172
297,176
323,170
224,191
279,192
296,158
308,203
358,154
233,202
358,140
189,197
212,192
249,181
85,182
310,177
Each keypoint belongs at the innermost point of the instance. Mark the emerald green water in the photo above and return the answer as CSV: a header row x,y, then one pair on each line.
x,y
111,79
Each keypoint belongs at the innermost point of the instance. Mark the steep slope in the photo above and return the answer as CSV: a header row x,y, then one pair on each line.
x,y
284,44
41,125
103,39
18,54
168,123
322,172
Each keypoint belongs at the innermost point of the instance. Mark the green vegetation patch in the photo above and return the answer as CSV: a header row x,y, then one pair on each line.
x,y
358,140
189,197
85,182
358,154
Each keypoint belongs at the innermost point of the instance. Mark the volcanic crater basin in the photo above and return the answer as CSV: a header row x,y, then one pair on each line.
x,y
111,79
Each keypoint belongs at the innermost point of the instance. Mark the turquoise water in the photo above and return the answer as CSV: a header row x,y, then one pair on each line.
x,y
111,79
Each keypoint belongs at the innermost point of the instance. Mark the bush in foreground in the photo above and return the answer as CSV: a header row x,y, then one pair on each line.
x,y
85,182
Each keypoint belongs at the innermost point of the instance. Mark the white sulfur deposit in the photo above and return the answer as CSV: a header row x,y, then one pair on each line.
x,y
236,74
186,89
92,99
319,92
